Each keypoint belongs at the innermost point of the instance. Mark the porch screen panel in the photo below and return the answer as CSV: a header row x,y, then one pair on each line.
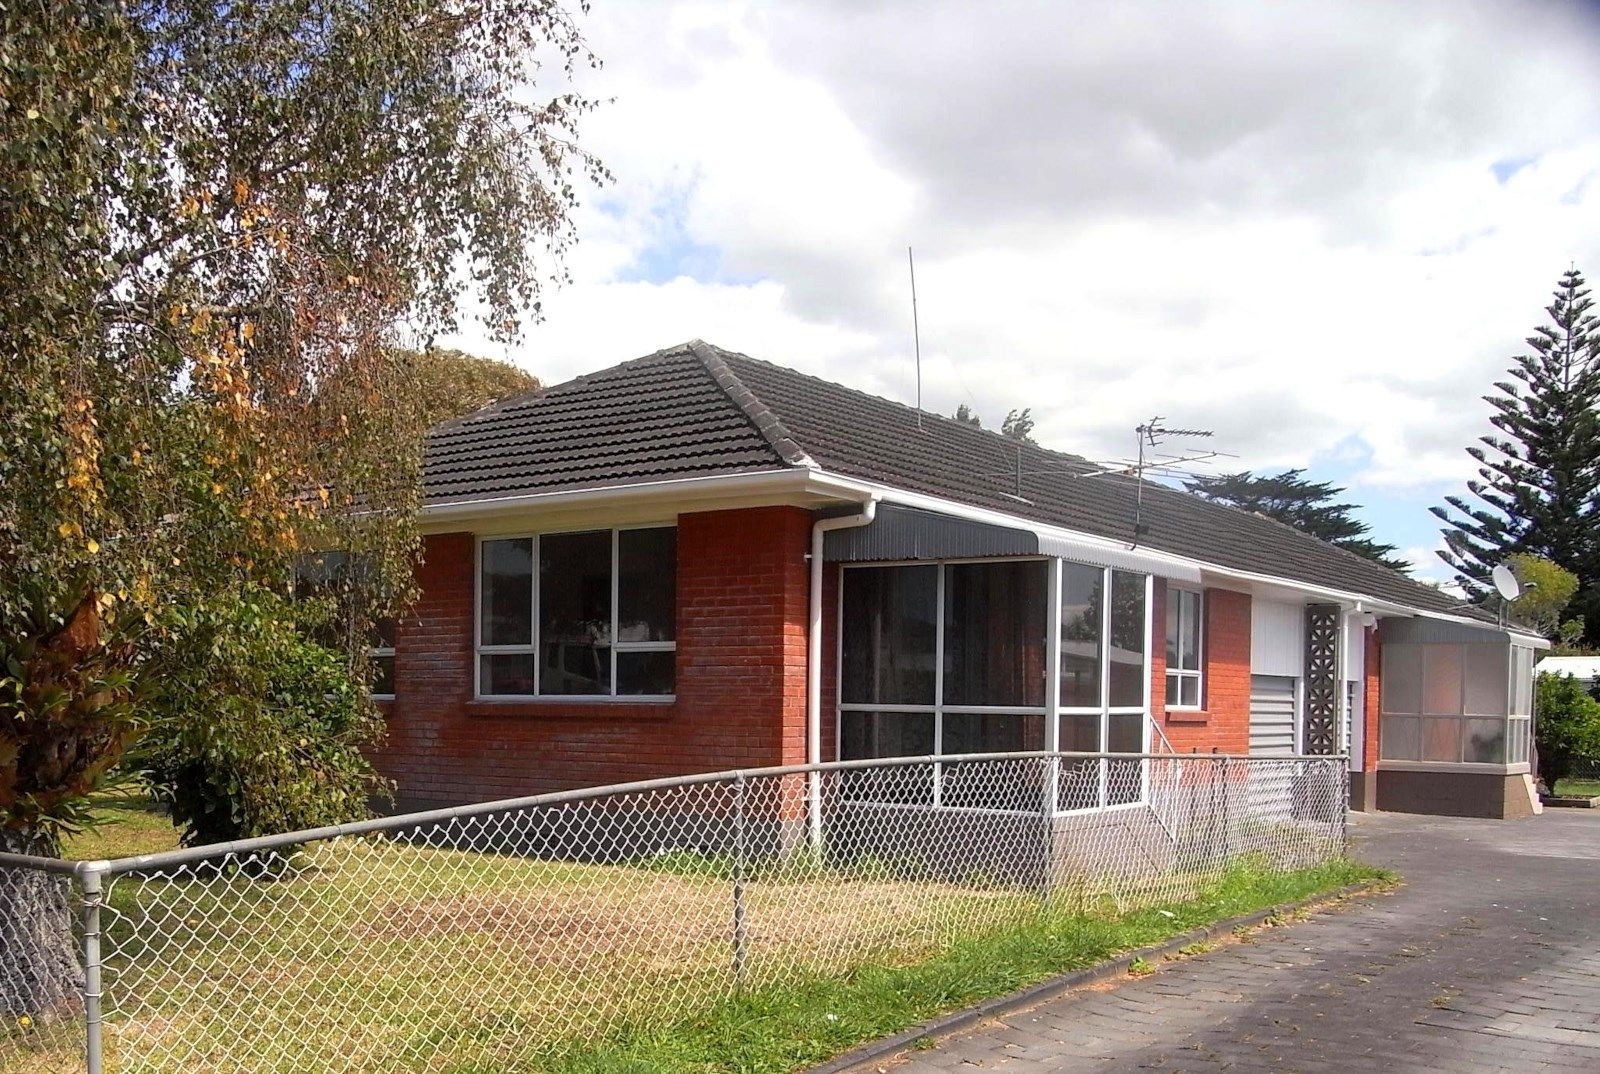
x,y
1126,653
994,633
889,635
1082,618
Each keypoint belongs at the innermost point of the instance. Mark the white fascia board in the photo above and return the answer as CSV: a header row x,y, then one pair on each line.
x,y
801,484
776,485
1165,564
1053,540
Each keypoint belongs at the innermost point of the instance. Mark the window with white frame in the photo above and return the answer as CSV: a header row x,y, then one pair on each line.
x,y
954,658
380,655
1455,703
578,614
1185,644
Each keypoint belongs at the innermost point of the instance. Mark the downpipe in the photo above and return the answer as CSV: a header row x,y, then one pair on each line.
x,y
820,528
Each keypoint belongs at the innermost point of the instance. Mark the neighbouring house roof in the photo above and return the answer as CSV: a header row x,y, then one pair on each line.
x,y
1579,667
695,410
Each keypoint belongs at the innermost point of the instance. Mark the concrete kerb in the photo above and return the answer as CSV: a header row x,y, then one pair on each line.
x,y
989,1010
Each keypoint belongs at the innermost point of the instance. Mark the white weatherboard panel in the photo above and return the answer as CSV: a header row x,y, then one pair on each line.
x,y
1277,638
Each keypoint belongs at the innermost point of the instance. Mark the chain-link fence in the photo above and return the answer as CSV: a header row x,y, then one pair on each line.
x,y
469,939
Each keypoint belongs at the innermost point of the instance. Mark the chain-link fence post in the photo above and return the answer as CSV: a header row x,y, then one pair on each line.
x,y
1047,808
90,880
740,930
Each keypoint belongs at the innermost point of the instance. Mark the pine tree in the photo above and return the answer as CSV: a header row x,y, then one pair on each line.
x,y
1309,506
1538,483
967,416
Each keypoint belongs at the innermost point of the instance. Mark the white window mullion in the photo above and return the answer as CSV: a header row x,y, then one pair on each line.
x,y
938,682
1105,683
615,633
533,602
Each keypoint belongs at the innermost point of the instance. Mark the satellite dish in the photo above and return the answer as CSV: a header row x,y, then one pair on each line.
x,y
1505,583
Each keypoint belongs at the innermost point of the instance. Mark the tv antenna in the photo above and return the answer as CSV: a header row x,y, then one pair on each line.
x,y
1149,436
916,332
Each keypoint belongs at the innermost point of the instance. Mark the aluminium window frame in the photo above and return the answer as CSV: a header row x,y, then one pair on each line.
x,y
379,652
480,650
1052,710
1198,673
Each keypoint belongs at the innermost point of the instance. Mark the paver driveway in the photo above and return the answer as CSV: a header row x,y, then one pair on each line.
x,y
1487,959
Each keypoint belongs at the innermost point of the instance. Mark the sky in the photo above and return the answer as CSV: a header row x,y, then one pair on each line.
x,y
1320,230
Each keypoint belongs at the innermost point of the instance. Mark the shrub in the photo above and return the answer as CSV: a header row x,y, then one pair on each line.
x,y
1566,726
273,737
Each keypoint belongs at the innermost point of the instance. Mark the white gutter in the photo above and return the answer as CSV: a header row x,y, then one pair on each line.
x,y
869,511
798,480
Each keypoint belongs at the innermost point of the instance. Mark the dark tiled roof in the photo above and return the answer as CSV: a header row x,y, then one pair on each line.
x,y
696,410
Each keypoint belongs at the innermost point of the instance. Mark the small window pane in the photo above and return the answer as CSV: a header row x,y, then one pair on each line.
x,y
972,732
1189,691
1082,615
383,675
574,667
994,631
1401,738
992,785
507,592
890,634
1183,630
1441,739
1125,779
1521,682
1402,679
1126,653
383,634
575,613
1441,679
645,673
1488,667
1080,780
871,735
506,673
1485,742
647,565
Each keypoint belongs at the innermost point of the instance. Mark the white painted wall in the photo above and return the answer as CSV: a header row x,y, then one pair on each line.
x,y
1277,638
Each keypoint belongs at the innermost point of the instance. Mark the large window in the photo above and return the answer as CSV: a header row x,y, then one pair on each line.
x,y
599,621
1185,640
1449,703
955,658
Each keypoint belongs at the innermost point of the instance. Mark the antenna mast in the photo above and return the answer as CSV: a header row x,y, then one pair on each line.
x,y
916,333
1151,434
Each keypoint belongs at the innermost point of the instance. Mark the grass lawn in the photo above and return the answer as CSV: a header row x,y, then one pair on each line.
x,y
1578,788
126,824
373,955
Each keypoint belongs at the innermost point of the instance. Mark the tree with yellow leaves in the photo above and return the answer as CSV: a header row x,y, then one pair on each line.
x,y
222,223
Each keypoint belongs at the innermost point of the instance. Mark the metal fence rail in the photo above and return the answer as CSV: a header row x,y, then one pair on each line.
x,y
476,938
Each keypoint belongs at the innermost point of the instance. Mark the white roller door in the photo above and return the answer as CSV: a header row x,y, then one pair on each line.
x,y
1272,715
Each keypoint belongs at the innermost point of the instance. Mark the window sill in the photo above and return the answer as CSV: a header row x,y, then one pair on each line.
x,y
1464,767
613,708
1187,716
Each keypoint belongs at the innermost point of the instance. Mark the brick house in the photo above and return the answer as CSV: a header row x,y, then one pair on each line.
x,y
698,561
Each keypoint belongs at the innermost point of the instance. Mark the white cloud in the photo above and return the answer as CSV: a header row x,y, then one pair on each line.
x,y
1278,220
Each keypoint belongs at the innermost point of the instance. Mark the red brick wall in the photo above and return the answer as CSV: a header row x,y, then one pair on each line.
x,y
1373,668
742,594
1223,722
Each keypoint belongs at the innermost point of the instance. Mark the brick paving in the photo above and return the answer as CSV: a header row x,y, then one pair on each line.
x,y
1487,959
